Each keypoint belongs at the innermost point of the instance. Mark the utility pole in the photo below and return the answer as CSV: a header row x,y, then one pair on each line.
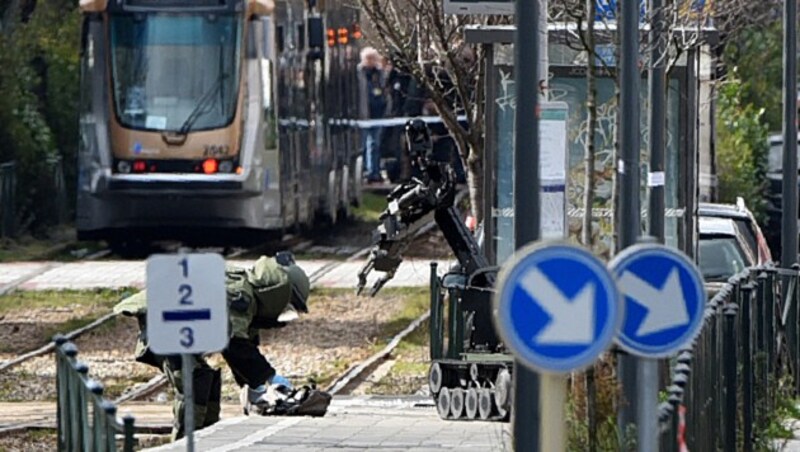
x,y
526,414
629,210
789,220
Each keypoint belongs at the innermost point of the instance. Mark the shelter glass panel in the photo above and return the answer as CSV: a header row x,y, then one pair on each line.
x,y
568,84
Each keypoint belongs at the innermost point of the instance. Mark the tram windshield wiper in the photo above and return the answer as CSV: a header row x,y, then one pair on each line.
x,y
199,109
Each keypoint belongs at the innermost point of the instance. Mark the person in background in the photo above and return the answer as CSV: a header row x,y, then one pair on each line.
x,y
373,105
397,83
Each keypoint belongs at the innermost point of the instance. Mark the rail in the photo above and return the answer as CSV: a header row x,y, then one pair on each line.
x,y
725,387
86,420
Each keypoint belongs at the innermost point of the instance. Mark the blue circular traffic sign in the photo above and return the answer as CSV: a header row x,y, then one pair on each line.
x,y
664,299
556,307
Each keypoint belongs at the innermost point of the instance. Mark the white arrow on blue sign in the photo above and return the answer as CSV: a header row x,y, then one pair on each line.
x,y
556,307
664,299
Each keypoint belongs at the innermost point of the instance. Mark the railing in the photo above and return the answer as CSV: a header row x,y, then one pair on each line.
x,y
86,420
8,187
59,209
726,386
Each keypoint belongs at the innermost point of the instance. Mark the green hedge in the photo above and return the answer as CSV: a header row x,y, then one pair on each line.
x,y
38,104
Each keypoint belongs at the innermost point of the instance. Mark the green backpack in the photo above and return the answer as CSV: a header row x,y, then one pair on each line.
x,y
261,293
256,296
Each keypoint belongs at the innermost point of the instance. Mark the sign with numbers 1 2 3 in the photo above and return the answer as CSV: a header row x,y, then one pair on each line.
x,y
187,310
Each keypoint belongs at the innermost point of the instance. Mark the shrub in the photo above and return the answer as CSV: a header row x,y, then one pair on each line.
x,y
741,149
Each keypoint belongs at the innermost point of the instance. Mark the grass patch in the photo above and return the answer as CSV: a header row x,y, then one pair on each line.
x,y
44,439
372,204
57,244
26,300
405,368
777,426
80,308
415,301
80,322
408,373
323,380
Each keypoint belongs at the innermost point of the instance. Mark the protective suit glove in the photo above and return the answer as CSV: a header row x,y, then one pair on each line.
x,y
279,380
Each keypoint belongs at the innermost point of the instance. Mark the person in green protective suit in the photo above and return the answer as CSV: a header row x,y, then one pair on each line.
x,y
257,297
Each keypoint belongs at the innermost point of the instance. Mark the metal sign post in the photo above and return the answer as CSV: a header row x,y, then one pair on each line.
x,y
664,304
187,314
628,211
526,415
647,371
188,399
557,309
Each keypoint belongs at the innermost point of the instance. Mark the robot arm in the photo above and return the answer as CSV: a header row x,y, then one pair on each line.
x,y
412,205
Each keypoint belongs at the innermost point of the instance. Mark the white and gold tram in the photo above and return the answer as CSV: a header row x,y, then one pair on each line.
x,y
215,121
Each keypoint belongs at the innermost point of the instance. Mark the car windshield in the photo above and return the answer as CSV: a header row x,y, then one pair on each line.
x,y
720,258
175,72
745,228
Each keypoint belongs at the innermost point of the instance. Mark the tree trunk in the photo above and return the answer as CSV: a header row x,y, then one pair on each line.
x,y
591,125
588,201
475,185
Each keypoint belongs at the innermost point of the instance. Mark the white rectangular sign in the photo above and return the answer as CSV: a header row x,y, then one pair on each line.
x,y
187,310
553,163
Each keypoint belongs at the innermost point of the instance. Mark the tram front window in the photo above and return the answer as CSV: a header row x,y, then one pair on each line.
x,y
175,72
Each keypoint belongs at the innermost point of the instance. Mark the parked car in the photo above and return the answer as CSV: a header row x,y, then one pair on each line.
x,y
745,224
775,193
723,251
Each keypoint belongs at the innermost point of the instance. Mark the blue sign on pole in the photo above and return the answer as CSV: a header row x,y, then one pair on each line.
x,y
556,307
606,10
664,299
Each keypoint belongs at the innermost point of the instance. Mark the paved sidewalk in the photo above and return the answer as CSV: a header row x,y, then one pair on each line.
x,y
116,274
354,424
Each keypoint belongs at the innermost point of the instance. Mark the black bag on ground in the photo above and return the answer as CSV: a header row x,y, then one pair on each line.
x,y
303,401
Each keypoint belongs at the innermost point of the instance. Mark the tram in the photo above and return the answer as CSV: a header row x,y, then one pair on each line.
x,y
216,121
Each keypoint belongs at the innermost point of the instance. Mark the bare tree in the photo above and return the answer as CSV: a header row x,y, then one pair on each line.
x,y
430,46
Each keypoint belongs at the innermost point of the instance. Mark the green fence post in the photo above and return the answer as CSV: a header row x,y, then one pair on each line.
x,y
747,367
436,328
76,430
729,365
95,395
82,426
8,184
792,336
108,429
759,356
770,319
128,430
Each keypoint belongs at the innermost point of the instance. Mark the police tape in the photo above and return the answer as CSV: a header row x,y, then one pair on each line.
x,y
367,123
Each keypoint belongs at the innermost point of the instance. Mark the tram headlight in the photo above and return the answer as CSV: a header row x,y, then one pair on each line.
x,y
210,166
225,166
124,167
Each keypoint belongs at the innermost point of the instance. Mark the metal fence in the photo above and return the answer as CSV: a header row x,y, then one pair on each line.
x,y
52,209
86,420
726,386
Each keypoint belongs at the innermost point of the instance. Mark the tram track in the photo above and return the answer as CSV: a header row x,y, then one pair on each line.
x,y
343,384
160,381
12,286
